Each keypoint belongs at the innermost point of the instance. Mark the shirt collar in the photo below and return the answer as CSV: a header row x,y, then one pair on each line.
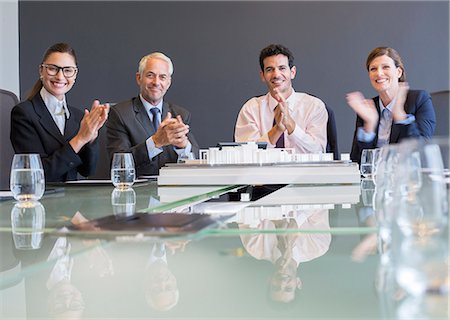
x,y
54,105
389,106
273,103
148,105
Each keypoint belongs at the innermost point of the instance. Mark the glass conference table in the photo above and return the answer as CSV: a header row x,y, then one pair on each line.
x,y
267,252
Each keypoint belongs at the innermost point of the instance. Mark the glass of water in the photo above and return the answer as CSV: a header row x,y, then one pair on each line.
x,y
369,160
27,181
122,170
27,224
123,202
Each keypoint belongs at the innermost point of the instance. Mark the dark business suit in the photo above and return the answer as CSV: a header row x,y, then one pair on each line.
x,y
418,103
33,130
129,127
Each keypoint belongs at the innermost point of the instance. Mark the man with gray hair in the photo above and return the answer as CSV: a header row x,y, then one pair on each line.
x,y
155,131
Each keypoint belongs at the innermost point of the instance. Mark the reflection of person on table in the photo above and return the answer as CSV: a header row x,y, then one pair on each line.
x,y
65,299
287,251
161,288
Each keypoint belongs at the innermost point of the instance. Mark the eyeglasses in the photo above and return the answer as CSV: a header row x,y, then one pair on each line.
x,y
53,70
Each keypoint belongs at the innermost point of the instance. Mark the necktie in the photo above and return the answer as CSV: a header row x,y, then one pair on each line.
x,y
280,141
386,114
155,112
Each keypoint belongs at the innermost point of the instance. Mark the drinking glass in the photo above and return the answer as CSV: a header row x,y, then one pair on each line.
x,y
27,177
421,193
122,170
384,203
421,265
185,157
27,224
369,160
123,201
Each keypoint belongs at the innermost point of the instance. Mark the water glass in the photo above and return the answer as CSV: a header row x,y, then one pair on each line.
x,y
27,177
369,160
421,193
421,265
122,170
27,224
185,157
123,202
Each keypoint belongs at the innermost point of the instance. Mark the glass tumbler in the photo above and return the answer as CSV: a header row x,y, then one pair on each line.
x,y
122,170
27,181
369,160
27,224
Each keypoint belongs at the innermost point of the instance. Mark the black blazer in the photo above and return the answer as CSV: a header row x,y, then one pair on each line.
x,y
418,103
33,130
129,126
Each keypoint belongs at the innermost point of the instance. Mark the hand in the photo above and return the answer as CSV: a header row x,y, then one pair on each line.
x,y
172,131
90,124
398,110
282,115
365,109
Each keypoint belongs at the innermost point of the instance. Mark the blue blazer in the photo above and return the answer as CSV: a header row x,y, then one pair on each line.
x,y
418,103
33,130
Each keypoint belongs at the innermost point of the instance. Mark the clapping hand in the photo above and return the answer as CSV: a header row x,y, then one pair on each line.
x,y
172,131
90,124
398,110
365,109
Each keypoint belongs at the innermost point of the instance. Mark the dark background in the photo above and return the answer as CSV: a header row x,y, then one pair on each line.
x,y
215,46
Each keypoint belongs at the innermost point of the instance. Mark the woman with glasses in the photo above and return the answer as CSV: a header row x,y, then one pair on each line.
x,y
63,135
396,113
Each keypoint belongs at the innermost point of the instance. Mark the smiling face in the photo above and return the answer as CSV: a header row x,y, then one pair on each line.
x,y
58,85
384,75
277,74
155,80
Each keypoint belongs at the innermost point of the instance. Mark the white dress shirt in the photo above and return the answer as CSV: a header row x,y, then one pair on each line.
x,y
255,120
57,108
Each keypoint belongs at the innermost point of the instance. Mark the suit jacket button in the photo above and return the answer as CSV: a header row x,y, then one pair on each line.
x,y
71,164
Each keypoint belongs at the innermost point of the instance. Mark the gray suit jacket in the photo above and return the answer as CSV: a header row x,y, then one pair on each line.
x,y
129,127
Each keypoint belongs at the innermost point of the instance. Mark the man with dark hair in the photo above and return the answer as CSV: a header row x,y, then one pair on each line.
x,y
283,118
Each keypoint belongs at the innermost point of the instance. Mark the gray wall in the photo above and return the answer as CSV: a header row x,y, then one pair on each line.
x,y
215,48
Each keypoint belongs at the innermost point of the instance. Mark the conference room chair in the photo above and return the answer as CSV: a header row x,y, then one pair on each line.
x,y
332,140
7,101
103,170
332,137
441,103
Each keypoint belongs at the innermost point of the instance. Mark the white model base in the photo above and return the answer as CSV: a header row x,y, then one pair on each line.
x,y
305,173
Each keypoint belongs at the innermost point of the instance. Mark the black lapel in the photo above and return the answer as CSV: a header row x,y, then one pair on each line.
x,y
376,100
45,118
71,128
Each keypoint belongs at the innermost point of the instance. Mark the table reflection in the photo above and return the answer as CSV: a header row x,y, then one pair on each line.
x,y
28,224
161,288
287,251
65,300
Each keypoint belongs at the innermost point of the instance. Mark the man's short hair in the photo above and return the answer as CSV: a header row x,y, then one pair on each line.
x,y
273,50
155,55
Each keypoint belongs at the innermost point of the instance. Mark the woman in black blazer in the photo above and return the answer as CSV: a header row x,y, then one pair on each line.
x,y
396,113
64,136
